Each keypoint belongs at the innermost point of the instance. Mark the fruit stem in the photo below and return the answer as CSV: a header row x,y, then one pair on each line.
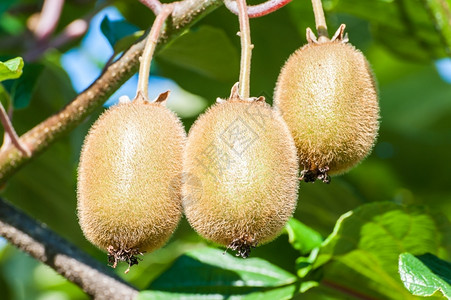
x,y
246,50
259,10
320,21
149,49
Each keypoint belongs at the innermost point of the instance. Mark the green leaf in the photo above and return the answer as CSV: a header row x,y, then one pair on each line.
x,y
49,197
362,252
135,13
158,295
440,13
404,107
322,204
420,26
304,264
206,50
117,30
306,240
22,89
11,69
5,4
209,272
125,42
10,23
5,98
307,285
302,237
282,293
426,274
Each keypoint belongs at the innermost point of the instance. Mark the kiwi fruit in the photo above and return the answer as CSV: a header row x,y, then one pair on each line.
x,y
240,174
129,179
327,95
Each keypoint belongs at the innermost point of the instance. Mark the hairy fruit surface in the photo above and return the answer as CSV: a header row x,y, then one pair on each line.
x,y
240,168
327,95
129,179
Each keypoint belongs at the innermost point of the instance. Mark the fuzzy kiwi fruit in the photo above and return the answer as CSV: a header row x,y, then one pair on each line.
x,y
327,95
129,179
240,174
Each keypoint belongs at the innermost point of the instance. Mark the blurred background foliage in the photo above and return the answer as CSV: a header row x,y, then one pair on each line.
x,y
400,196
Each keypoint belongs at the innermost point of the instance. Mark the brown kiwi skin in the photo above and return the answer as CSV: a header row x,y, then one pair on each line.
x,y
326,93
244,159
129,178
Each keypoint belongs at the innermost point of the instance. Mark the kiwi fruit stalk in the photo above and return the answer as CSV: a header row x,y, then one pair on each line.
x,y
327,95
240,174
129,179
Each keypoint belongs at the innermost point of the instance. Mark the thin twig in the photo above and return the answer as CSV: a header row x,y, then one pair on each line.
x,y
39,138
259,10
71,32
48,18
246,50
11,133
320,20
149,49
46,246
154,5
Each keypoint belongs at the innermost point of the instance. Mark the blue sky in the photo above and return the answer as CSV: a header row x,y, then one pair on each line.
x,y
444,68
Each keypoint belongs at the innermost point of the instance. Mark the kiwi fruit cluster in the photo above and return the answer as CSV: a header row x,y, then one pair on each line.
x,y
237,174
129,179
244,157
327,95
130,176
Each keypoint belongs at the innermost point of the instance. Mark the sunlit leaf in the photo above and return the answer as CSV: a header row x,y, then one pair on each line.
x,y
304,264
302,237
158,295
11,69
283,293
362,252
210,273
425,275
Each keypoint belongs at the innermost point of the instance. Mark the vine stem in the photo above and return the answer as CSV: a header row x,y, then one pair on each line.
x,y
246,50
259,10
149,49
48,247
320,20
11,133
154,5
